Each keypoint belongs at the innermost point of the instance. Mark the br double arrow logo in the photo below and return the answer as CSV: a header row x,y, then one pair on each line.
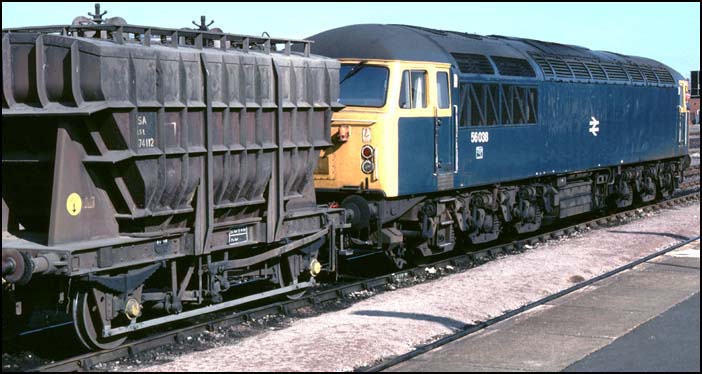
x,y
594,126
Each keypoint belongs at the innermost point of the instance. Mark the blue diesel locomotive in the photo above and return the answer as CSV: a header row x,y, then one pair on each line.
x,y
449,137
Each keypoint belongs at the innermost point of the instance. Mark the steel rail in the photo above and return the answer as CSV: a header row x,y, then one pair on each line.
x,y
468,260
470,329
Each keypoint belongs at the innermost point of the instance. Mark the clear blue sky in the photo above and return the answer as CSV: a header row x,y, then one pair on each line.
x,y
667,32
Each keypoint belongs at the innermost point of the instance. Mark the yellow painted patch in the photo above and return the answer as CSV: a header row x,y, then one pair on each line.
x,y
683,90
340,165
315,268
74,204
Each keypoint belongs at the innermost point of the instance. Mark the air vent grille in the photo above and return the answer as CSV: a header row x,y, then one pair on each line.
x,y
579,70
516,67
615,72
545,67
634,73
650,75
561,68
470,63
596,71
557,68
664,76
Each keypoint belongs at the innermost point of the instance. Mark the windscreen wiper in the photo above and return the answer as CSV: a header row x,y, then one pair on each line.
x,y
355,69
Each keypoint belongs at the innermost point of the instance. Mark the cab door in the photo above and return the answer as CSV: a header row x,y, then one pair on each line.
x,y
444,130
426,132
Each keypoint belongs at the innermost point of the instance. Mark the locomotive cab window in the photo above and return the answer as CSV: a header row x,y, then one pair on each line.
x,y
413,92
363,85
442,89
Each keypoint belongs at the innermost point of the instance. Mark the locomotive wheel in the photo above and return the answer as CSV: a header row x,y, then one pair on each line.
x,y
399,257
88,325
665,187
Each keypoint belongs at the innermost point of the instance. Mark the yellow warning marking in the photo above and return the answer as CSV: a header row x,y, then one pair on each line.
x,y
73,204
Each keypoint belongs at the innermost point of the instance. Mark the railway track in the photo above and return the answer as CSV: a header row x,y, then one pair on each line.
x,y
380,283
471,329
692,177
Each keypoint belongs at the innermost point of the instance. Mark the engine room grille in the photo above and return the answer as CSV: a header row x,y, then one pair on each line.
x,y
517,67
561,68
470,63
650,76
557,68
579,70
664,76
596,71
545,67
634,73
615,72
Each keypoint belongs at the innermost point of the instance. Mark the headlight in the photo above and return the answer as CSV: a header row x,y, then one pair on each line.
x,y
367,166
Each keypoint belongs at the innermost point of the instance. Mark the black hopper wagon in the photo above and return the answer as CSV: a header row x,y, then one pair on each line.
x,y
152,174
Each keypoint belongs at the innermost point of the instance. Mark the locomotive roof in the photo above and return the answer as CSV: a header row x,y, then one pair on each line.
x,y
469,53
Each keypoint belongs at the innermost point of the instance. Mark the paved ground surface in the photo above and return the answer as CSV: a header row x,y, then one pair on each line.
x,y
392,323
669,342
591,329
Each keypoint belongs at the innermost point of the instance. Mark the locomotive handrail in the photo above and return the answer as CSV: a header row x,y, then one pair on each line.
x,y
144,34
455,139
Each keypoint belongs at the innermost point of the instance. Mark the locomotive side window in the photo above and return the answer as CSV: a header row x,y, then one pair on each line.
x,y
413,93
532,104
483,104
479,104
519,104
442,89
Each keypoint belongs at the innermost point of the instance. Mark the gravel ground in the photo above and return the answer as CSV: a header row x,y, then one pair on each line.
x,y
392,323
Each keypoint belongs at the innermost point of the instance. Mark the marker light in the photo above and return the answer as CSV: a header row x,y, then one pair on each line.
x,y
367,152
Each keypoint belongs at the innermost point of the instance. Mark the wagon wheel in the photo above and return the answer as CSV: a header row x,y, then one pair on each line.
x,y
286,278
88,325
